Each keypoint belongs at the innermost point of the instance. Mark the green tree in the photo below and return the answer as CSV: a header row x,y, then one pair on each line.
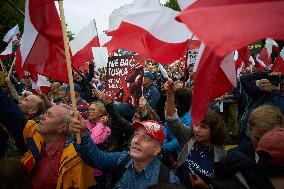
x,y
9,18
173,5
70,35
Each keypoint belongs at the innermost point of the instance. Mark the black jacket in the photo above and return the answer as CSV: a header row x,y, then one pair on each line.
x,y
235,162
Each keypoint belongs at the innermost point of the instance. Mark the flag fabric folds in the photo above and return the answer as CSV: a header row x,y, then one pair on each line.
x,y
11,36
42,47
214,77
160,38
183,4
278,65
81,46
228,25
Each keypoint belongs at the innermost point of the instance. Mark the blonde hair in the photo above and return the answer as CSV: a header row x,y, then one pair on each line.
x,y
101,108
266,118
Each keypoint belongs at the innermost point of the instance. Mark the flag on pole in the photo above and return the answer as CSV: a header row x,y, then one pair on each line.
x,y
11,36
228,25
152,31
81,46
214,77
8,52
18,64
278,65
42,47
40,83
265,54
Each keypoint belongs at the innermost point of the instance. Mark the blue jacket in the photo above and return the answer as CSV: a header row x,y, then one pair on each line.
x,y
106,161
258,98
13,119
170,143
152,95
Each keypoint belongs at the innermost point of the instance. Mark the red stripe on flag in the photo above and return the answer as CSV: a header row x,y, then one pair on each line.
x,y
139,40
228,25
85,54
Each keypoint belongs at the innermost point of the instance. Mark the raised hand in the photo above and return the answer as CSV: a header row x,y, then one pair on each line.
x,y
78,125
169,87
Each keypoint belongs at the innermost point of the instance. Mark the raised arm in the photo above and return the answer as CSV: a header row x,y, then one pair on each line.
x,y
91,71
13,119
249,85
89,152
178,129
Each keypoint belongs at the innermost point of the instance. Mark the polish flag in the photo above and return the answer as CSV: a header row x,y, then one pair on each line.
x,y
214,77
238,63
11,36
241,58
152,31
278,65
257,63
81,46
265,54
228,25
8,52
18,64
42,47
40,83
261,66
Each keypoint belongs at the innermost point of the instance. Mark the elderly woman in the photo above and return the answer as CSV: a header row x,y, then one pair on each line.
x,y
99,132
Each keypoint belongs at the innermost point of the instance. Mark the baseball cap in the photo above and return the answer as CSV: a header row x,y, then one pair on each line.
x,y
150,75
153,127
271,147
64,87
77,87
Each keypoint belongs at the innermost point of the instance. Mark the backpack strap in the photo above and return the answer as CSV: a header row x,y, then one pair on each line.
x,y
164,173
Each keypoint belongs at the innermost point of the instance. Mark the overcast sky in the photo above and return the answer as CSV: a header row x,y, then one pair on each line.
x,y
79,13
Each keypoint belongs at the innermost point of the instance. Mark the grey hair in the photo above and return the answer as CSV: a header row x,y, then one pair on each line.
x,y
67,115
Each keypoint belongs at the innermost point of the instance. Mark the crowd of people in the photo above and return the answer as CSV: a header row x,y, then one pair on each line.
x,y
153,144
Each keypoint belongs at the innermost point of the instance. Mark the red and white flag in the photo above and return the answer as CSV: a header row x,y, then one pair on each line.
x,y
40,83
241,58
152,31
214,77
261,66
265,54
278,65
18,64
12,35
228,25
8,52
81,45
42,47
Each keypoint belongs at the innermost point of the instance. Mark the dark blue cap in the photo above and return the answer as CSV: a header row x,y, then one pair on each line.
x,y
77,87
150,75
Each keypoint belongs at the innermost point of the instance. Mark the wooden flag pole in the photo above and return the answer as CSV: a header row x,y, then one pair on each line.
x,y
186,57
11,68
3,67
68,61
